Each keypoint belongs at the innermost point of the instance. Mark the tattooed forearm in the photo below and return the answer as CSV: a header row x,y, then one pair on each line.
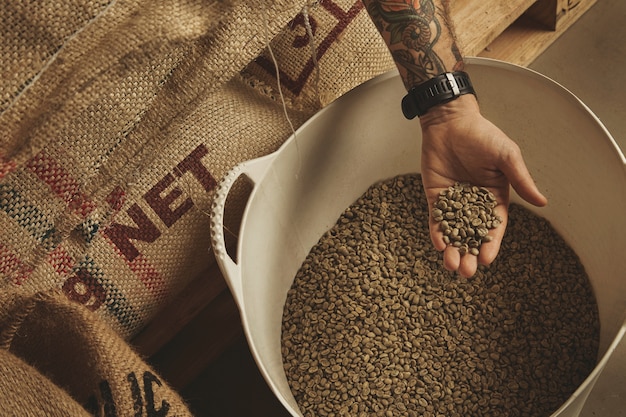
x,y
418,35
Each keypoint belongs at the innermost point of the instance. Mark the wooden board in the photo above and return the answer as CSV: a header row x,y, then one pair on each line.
x,y
479,22
528,37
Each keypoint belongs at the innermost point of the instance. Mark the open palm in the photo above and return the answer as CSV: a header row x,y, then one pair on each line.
x,y
460,145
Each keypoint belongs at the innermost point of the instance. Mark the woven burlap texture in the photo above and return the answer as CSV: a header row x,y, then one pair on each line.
x,y
118,118
59,359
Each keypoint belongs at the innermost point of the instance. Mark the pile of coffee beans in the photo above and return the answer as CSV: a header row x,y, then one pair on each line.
x,y
465,215
375,326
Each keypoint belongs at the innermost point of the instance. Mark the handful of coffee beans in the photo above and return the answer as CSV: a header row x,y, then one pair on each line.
x,y
465,214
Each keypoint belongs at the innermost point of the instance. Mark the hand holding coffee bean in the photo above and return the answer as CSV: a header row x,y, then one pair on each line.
x,y
460,145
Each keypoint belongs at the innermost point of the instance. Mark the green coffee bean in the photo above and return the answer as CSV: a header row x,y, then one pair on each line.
x,y
373,325
474,206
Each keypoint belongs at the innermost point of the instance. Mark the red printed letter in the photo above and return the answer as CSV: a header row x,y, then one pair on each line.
x,y
192,163
161,205
121,234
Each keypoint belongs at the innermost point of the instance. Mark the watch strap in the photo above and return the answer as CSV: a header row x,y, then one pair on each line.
x,y
438,90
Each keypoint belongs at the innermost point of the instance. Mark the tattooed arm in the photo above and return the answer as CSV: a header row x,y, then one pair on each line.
x,y
458,143
419,37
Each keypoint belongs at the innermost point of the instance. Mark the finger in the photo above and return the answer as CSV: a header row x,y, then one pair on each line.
x,y
518,175
451,258
468,265
489,250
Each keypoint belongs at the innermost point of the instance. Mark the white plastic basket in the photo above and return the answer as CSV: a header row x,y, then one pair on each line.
x,y
301,189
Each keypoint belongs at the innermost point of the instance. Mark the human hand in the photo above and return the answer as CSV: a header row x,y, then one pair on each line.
x,y
460,145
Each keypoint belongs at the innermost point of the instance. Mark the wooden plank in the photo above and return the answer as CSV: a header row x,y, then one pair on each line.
x,y
478,23
526,39
553,13
546,12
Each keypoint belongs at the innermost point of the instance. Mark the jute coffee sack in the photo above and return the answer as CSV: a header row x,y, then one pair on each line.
x,y
329,48
375,326
117,121
59,359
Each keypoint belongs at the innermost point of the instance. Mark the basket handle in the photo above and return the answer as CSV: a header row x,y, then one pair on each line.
x,y
254,169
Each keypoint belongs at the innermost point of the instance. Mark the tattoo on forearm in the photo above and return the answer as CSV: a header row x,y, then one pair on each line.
x,y
411,29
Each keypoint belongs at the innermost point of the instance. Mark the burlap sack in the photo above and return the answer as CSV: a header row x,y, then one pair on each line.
x,y
59,359
119,117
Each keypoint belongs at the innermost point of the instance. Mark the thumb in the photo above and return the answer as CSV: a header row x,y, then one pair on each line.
x,y
520,179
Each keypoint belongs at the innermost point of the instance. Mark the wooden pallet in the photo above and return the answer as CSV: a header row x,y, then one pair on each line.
x,y
513,31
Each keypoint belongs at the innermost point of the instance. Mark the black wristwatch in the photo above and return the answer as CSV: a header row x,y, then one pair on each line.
x,y
438,90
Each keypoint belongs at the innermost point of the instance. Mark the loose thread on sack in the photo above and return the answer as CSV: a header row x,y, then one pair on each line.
x,y
183,182
313,47
266,32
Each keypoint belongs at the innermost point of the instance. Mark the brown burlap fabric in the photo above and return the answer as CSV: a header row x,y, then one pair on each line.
x,y
117,119
26,392
59,359
112,139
